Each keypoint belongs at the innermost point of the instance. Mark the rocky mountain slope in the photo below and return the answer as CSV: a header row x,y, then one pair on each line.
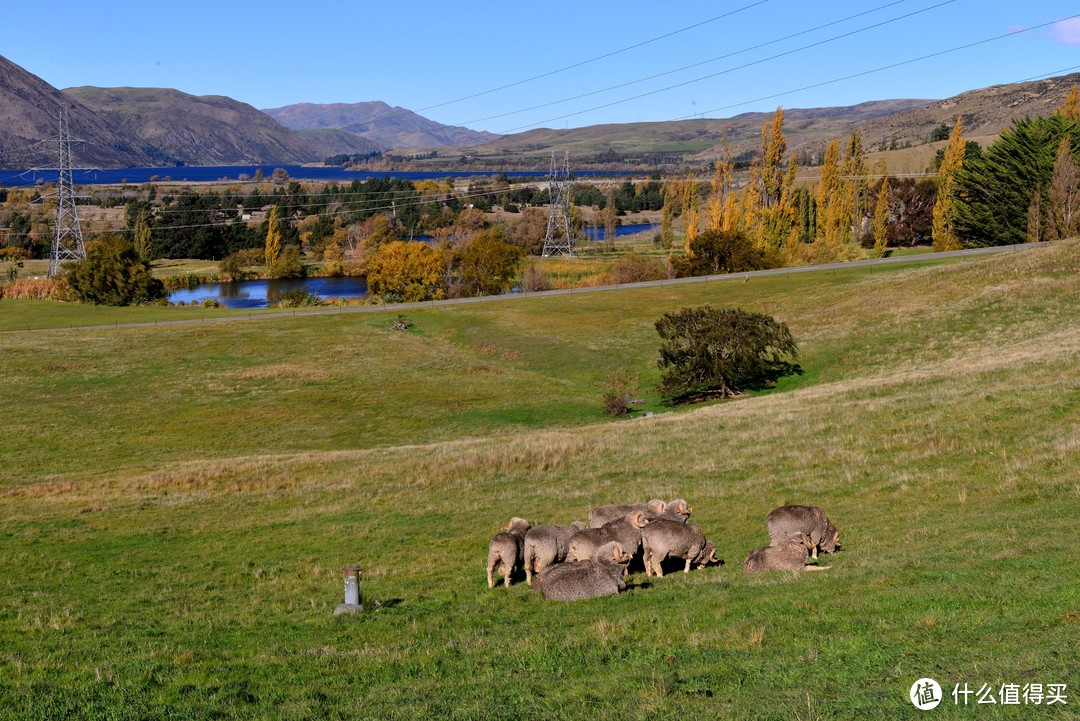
x,y
29,113
195,130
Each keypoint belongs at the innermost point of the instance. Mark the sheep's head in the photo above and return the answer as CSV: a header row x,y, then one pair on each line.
x,y
639,519
579,525
519,525
656,506
618,555
679,506
831,542
707,555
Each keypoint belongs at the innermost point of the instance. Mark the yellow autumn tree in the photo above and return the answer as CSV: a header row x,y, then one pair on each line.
x,y
719,201
691,212
1070,110
667,215
828,194
945,238
406,271
773,150
273,240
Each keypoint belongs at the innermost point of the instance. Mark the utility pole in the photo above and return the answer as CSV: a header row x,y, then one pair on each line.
x,y
67,242
559,238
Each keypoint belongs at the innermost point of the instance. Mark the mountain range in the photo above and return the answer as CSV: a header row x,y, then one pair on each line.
x,y
132,127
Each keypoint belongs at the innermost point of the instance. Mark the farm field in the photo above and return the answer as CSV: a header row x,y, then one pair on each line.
x,y
177,503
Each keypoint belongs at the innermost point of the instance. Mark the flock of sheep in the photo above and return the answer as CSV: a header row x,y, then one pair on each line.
x,y
577,561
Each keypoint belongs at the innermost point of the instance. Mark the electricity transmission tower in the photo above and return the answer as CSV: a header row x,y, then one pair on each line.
x,y
67,242
558,238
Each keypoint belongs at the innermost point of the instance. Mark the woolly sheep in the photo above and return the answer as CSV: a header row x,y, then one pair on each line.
x,y
663,539
626,531
505,551
547,545
787,522
586,579
606,514
789,555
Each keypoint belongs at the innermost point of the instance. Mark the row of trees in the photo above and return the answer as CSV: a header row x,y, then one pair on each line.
x,y
1024,188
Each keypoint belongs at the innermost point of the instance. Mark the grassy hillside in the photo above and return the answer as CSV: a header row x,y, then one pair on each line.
x,y
177,504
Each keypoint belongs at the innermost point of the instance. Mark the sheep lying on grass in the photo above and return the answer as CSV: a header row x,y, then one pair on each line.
x,y
663,539
787,522
505,551
789,555
586,579
547,545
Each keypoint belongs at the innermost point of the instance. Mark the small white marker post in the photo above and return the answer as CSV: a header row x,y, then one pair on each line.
x,y
352,592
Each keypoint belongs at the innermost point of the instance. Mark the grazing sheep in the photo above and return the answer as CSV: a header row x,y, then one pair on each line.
x,y
602,515
505,551
788,555
547,545
626,531
586,579
787,522
664,538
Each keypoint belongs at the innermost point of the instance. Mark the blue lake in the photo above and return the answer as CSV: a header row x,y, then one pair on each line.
x,y
262,293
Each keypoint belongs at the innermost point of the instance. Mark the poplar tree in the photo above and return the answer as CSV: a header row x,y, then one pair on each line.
x,y
881,219
667,217
611,218
1034,218
1070,110
691,213
773,150
827,194
273,240
142,237
1063,211
945,235
721,189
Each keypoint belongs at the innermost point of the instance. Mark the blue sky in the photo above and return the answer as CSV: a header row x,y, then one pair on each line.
x,y
512,67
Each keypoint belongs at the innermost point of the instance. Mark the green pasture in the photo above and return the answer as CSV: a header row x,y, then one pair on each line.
x,y
177,502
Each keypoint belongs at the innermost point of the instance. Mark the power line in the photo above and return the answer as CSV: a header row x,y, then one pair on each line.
x,y
733,69
573,66
687,67
886,67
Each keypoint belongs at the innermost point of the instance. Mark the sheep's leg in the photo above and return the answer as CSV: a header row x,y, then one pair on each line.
x,y
813,553
816,568
491,576
687,569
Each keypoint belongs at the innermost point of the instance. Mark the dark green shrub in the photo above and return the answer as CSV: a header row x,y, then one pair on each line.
x,y
720,353
715,252
297,298
112,274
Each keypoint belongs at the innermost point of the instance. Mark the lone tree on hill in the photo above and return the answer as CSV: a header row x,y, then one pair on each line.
x,y
708,352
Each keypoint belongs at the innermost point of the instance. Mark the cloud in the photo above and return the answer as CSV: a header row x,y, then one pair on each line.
x,y
1066,32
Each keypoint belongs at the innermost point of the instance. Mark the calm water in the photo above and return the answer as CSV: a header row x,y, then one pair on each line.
x,y
262,293
621,230
196,174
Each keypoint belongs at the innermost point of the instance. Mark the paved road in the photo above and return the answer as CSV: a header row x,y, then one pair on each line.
x,y
569,291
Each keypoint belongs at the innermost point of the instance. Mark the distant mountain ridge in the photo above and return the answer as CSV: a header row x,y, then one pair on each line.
x,y
390,127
